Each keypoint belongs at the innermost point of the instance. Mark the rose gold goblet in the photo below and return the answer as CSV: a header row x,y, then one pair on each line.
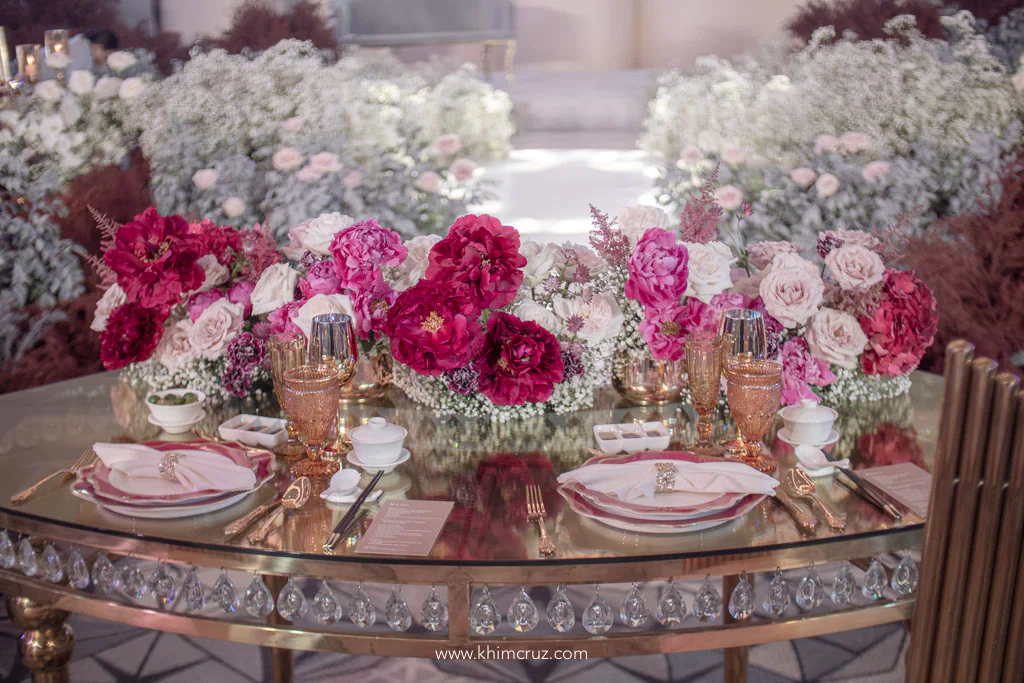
x,y
287,351
704,373
754,392
311,402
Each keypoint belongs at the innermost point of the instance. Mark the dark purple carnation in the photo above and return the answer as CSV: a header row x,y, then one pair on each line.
x,y
463,381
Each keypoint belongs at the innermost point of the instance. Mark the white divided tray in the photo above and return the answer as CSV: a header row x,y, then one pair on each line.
x,y
255,430
632,437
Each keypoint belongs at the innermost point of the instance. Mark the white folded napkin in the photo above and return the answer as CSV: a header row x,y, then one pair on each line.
x,y
635,481
194,471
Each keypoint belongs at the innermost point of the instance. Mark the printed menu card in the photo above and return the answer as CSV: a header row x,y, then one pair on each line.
x,y
906,483
405,527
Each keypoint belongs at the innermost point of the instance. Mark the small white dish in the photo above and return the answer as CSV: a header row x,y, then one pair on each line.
x,y
369,468
817,474
784,435
344,482
632,437
186,413
176,428
378,443
342,498
255,430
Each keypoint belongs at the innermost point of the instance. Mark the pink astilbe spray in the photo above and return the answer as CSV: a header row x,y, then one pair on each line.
x,y
702,213
609,242
259,252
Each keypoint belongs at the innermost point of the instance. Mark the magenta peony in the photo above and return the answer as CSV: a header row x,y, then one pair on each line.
x,y
372,303
521,362
321,278
800,370
361,249
902,328
131,336
241,293
283,319
665,329
482,254
433,327
657,269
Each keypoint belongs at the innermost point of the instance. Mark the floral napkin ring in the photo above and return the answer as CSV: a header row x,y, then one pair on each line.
x,y
167,464
665,482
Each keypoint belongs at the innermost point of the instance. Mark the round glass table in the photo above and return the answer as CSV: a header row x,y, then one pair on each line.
x,y
488,547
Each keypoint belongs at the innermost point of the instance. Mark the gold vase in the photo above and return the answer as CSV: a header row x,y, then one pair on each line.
x,y
643,380
372,379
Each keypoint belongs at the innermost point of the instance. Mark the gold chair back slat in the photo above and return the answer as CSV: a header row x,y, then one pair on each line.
x,y
1011,637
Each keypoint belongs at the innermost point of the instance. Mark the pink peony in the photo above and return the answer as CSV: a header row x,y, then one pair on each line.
x,y
283,319
902,327
800,370
665,329
132,334
241,293
201,301
482,254
521,362
657,269
434,327
760,254
361,249
320,279
371,305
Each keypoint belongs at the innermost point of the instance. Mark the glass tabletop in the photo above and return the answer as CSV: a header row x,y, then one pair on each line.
x,y
480,465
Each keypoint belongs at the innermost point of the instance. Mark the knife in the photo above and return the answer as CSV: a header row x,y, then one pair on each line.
x,y
804,521
241,523
347,520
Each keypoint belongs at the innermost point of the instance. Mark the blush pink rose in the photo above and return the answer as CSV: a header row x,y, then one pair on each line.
x,y
826,143
657,269
791,291
361,249
855,267
433,327
874,171
201,301
482,254
800,371
761,254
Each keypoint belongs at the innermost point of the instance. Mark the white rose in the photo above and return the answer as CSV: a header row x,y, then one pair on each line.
x,y
853,142
204,178
352,180
233,207
428,182
826,185
213,272
287,159
691,155
9,117
462,170
540,260
274,289
729,197
308,174
325,162
71,111
58,60
49,91
320,305
634,221
107,87
826,143
733,154
602,317
215,327
131,88
708,270
111,299
836,337
534,312
175,347
448,145
414,267
803,176
293,124
121,60
81,82
1018,80
855,267
876,170
321,231
791,292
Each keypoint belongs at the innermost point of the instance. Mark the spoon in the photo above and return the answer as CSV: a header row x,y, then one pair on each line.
x,y
802,487
295,496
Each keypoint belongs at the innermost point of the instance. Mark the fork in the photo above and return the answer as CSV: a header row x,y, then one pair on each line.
x,y
66,475
801,486
535,513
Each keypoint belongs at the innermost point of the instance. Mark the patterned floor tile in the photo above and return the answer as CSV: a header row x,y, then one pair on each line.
x,y
778,658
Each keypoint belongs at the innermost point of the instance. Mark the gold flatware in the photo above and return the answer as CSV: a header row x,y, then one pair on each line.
x,y
295,496
347,520
800,486
804,521
242,523
535,513
64,475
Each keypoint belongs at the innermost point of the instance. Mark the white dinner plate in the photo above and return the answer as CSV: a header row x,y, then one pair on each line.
x,y
173,512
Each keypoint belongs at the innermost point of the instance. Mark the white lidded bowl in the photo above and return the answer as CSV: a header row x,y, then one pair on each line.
x,y
378,442
808,422
177,415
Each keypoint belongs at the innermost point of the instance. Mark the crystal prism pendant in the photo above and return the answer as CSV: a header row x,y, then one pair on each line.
x,y
7,554
874,580
707,604
326,608
360,609
78,571
396,611
133,581
741,602
53,568
161,585
104,574
523,614
633,611
904,577
28,561
843,584
434,612
291,603
561,614
257,599
192,589
484,616
810,592
597,616
671,609
777,601
224,592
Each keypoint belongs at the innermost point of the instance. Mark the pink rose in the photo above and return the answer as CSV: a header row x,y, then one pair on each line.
x,y
296,246
325,162
902,328
844,237
836,338
521,362
214,328
433,327
803,176
826,185
482,254
800,370
352,180
791,292
691,155
175,349
320,279
201,301
733,154
462,170
657,269
308,174
428,181
448,145
371,306
294,124
761,254
729,197
826,143
287,159
665,329
876,170
241,293
855,267
853,142
361,249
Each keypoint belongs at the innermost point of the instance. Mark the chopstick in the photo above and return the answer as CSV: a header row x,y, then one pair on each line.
x,y
863,488
349,517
